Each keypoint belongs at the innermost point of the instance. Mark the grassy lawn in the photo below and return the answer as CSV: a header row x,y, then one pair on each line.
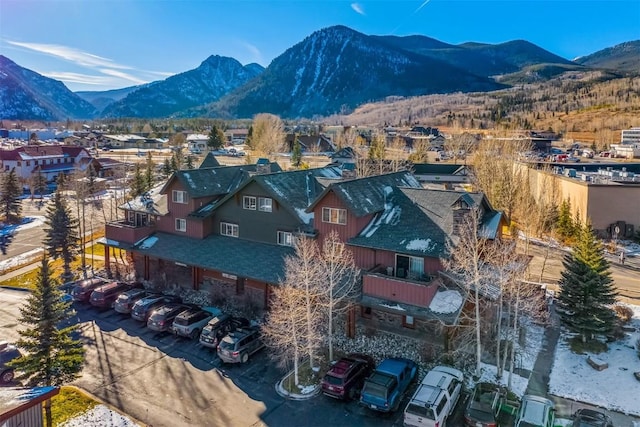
x,y
98,250
69,403
28,279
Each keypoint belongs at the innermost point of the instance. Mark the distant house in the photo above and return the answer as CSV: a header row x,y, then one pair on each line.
x,y
441,173
209,161
236,136
311,143
23,406
344,155
197,143
124,141
50,160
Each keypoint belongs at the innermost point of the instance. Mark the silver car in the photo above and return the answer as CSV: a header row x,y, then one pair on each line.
x,y
239,345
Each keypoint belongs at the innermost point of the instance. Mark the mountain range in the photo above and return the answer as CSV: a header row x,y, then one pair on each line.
x,y
331,71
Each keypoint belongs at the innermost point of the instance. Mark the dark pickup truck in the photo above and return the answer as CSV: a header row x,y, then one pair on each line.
x,y
483,407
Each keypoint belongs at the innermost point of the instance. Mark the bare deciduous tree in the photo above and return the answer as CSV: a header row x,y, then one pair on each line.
x,y
341,279
268,135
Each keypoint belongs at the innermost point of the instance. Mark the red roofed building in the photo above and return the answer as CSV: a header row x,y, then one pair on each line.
x,y
50,160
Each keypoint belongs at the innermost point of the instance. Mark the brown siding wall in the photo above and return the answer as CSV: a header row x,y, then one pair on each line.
x,y
398,290
195,227
350,229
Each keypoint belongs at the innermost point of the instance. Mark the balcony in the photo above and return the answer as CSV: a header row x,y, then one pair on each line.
x,y
418,291
127,232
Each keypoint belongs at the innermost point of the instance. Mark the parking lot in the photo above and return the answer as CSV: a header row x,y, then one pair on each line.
x,y
163,380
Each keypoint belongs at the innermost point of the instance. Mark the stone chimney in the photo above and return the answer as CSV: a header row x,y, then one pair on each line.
x,y
263,166
348,170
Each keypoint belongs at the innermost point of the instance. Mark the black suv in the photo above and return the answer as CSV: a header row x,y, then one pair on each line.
x,y
239,345
8,353
162,317
143,307
591,418
218,327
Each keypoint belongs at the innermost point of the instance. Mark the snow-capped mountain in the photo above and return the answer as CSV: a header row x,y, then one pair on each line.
x,y
214,78
27,95
338,68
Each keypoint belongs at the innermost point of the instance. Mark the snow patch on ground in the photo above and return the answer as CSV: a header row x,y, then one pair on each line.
x,y
21,259
518,383
614,388
528,353
446,302
100,416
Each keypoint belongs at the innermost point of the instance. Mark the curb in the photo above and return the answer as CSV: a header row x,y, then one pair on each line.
x,y
295,396
15,288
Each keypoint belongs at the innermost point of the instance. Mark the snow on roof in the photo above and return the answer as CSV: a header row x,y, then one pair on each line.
x,y
148,242
394,307
446,302
424,245
307,218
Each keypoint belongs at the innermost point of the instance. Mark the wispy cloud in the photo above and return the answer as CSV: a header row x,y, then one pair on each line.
x,y
357,7
256,55
424,3
107,72
70,54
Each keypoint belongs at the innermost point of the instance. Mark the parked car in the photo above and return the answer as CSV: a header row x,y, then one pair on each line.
x,y
591,418
190,322
483,407
345,378
125,301
82,289
162,317
384,388
105,296
435,398
143,307
218,327
238,345
535,412
8,353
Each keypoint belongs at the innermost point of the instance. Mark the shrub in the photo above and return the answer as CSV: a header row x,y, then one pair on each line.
x,y
592,346
624,313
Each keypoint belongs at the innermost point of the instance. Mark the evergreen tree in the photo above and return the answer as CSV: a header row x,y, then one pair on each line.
x,y
61,232
166,167
216,138
565,226
296,154
148,172
586,288
189,162
138,185
51,356
10,192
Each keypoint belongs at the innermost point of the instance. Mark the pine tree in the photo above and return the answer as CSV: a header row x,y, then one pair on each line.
x,y
586,288
138,186
216,138
296,154
61,232
189,162
10,193
565,226
51,356
148,172
166,168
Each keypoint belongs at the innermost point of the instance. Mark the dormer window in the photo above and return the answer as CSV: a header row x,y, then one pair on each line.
x,y
460,204
249,202
334,216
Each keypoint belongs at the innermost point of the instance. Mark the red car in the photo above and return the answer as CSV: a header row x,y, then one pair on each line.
x,y
82,290
345,379
105,296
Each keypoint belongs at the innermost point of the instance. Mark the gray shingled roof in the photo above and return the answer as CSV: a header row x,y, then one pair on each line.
x,y
364,196
294,190
207,182
437,168
153,202
258,261
209,161
418,222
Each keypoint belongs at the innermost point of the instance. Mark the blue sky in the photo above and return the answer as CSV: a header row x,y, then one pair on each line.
x,y
109,44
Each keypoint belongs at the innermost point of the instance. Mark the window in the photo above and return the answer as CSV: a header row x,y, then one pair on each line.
x,y
334,216
228,229
409,267
365,312
249,202
29,163
181,224
285,238
179,196
265,204
408,322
